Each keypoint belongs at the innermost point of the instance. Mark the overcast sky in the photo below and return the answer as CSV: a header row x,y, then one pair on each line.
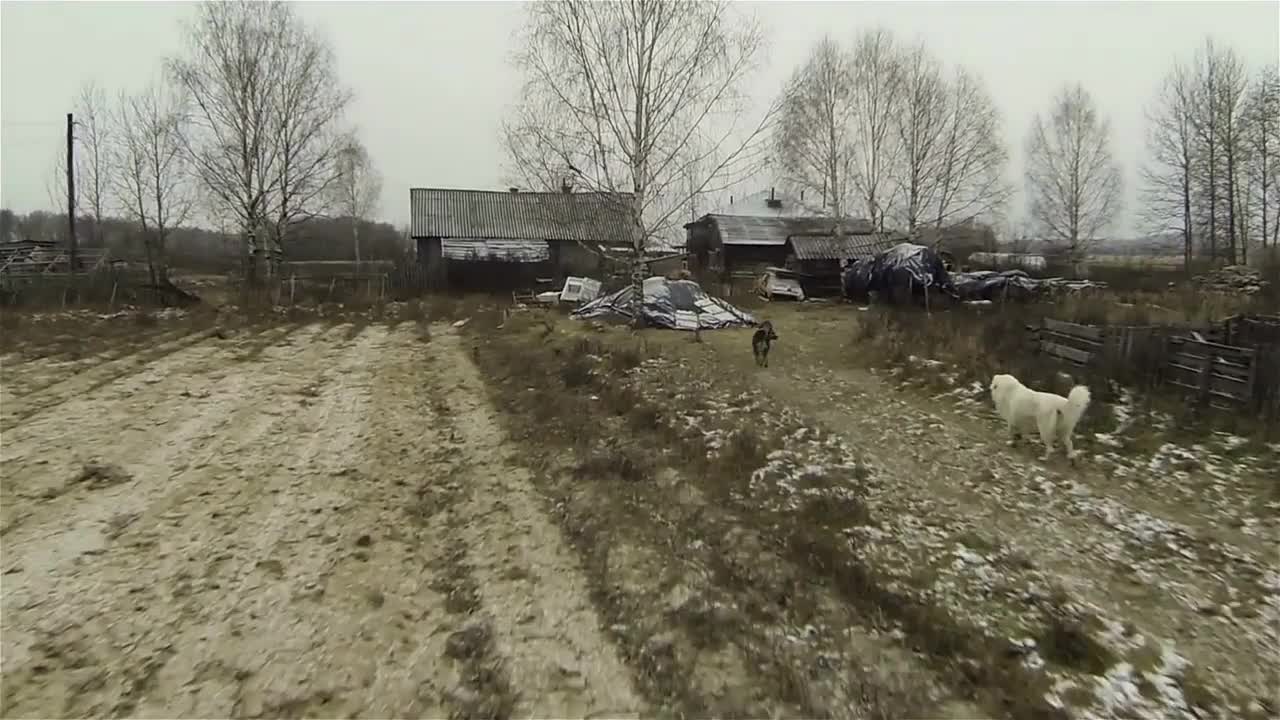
x,y
432,79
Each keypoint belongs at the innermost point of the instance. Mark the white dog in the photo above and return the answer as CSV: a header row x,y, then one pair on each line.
x,y
1024,410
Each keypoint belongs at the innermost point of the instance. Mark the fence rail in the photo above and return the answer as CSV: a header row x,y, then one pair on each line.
x,y
1219,375
1234,365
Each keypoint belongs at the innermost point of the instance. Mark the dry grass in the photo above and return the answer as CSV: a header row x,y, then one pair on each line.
x,y
975,343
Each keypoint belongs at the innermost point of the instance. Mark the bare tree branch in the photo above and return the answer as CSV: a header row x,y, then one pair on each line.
x,y
1169,175
814,136
971,179
356,188
152,183
56,182
877,83
1262,137
260,125
307,104
93,156
629,97
1072,179
922,129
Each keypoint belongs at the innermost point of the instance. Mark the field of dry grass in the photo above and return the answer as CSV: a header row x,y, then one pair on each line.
x,y
387,513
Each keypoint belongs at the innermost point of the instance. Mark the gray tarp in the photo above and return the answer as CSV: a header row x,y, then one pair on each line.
x,y
905,265
1013,285
673,304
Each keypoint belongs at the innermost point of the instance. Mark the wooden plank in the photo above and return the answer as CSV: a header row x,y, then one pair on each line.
x,y
1223,368
1218,348
1212,392
1212,370
1066,338
1217,385
1066,352
1193,347
1072,329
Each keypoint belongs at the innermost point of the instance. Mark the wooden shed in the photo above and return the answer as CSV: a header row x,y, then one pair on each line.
x,y
504,240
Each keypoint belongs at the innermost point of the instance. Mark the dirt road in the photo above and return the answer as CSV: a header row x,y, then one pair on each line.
x,y
297,521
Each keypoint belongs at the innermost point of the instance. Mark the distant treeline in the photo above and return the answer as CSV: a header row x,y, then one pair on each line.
x,y
193,247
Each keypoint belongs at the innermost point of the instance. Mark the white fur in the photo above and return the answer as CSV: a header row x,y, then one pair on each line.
x,y
1052,415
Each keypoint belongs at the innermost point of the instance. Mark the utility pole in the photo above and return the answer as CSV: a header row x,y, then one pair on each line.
x,y
71,196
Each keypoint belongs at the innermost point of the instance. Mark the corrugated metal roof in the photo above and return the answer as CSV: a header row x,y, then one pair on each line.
x,y
849,247
483,214
764,230
496,250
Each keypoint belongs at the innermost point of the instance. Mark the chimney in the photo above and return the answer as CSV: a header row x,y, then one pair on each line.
x,y
565,187
773,201
513,190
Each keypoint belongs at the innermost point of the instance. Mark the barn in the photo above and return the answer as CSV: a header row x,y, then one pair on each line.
x,y
734,250
501,240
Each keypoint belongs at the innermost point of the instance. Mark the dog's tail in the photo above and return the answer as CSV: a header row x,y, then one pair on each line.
x,y
1077,403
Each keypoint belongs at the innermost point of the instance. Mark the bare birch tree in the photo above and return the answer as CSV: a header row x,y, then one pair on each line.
x,y
814,142
1262,137
921,127
1217,76
93,154
1073,181
1228,106
356,189
258,127
877,85
306,103
971,180
1169,175
152,183
630,97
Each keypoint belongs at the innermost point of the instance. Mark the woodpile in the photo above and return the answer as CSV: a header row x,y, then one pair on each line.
x,y
1232,279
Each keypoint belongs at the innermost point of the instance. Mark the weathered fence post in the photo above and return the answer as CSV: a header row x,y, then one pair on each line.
x,y
1206,377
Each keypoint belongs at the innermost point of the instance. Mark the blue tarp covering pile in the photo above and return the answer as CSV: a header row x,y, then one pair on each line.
x,y
673,304
905,266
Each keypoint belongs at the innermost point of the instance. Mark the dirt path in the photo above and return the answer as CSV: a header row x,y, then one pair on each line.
x,y
1176,574
703,574
313,520
528,583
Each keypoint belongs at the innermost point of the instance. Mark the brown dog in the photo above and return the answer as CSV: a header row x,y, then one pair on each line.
x,y
760,342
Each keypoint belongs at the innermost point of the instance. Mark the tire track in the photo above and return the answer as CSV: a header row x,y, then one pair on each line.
x,y
528,582
41,457
62,391
123,347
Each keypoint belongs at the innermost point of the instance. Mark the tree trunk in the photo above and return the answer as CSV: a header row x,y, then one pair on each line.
x,y
355,239
151,265
253,257
1231,206
162,262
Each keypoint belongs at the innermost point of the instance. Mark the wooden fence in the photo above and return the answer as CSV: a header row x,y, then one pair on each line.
x,y
1220,376
1254,331
1200,362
